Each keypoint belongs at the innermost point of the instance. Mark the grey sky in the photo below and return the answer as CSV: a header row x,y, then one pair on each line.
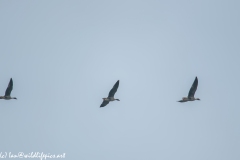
x,y
64,56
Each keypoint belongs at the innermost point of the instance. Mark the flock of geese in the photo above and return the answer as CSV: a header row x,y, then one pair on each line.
x,y
111,94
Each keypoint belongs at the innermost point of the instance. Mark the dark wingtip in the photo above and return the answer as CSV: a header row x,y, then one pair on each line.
x,y
196,79
181,101
11,81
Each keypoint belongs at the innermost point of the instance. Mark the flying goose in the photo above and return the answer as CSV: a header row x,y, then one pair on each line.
x,y
8,91
191,92
111,95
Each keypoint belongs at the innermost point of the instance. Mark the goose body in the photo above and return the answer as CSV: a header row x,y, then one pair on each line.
x,y
110,95
191,92
8,91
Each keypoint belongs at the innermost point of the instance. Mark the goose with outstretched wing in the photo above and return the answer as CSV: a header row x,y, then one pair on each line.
x,y
111,95
191,92
8,91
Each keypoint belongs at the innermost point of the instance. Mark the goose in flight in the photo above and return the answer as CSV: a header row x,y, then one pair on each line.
x,y
111,95
191,92
8,91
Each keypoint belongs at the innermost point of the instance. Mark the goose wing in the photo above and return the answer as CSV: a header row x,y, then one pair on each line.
x,y
114,89
9,88
104,103
193,88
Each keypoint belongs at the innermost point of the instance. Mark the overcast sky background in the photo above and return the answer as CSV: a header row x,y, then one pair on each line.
x,y
65,56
